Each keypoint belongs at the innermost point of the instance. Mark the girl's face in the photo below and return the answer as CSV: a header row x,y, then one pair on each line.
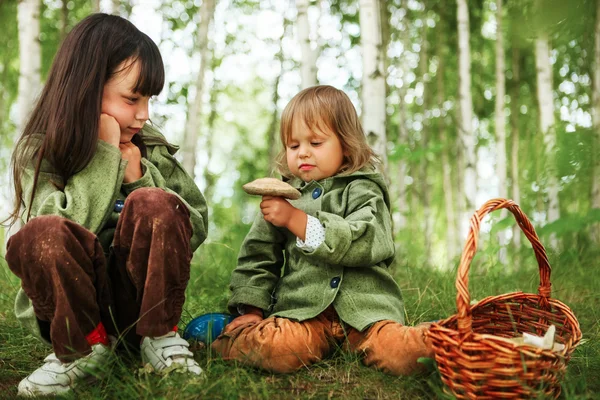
x,y
313,155
119,101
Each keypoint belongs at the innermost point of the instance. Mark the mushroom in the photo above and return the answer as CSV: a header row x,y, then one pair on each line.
x,y
271,187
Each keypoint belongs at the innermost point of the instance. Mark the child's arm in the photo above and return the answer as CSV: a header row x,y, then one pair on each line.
x,y
163,171
258,267
361,238
132,154
87,198
250,315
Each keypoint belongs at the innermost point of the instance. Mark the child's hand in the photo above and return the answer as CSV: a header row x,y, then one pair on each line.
x,y
279,212
244,320
109,130
132,154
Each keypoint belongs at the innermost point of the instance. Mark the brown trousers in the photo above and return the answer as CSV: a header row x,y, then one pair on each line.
x,y
138,291
282,345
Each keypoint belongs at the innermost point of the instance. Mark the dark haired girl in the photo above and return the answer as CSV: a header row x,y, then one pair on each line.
x,y
112,219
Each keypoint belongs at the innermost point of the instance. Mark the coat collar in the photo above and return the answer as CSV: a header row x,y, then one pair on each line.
x,y
327,183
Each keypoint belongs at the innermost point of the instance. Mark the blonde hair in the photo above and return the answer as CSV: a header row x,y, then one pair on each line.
x,y
323,108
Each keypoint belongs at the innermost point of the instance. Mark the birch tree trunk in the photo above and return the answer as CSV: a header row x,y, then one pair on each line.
x,y
547,121
272,136
373,79
466,134
500,119
402,165
192,125
514,118
209,177
30,58
308,63
596,124
452,242
423,167
28,15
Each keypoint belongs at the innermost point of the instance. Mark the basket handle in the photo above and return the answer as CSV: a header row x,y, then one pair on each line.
x,y
463,298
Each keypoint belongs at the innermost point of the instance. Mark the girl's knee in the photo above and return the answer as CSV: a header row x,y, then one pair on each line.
x,y
150,198
41,234
47,242
155,202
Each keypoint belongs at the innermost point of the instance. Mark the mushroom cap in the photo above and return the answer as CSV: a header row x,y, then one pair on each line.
x,y
271,187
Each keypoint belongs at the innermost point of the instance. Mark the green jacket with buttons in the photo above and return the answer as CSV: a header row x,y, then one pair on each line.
x,y
89,196
350,269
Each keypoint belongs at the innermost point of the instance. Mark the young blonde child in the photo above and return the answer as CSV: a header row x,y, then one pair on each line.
x,y
112,219
318,267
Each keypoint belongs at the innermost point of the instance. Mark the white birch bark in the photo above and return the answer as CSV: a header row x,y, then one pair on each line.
x,y
514,117
547,121
308,63
373,79
192,125
402,197
209,177
402,166
500,121
28,15
273,141
596,124
452,239
424,163
30,58
466,134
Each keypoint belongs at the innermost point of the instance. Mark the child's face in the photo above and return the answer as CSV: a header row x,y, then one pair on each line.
x,y
313,155
128,108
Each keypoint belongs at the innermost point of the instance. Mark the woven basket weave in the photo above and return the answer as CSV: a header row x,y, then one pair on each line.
x,y
473,361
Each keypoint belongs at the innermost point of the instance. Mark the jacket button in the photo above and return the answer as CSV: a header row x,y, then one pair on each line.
x,y
119,204
316,193
335,282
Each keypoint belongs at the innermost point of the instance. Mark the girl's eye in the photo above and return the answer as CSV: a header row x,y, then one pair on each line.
x,y
316,144
293,146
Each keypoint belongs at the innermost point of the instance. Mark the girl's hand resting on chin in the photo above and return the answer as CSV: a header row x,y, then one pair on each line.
x,y
109,130
132,154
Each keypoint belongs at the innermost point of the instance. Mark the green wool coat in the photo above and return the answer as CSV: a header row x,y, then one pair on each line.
x,y
89,196
350,269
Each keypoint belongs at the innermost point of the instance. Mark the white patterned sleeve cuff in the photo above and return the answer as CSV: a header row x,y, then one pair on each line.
x,y
315,234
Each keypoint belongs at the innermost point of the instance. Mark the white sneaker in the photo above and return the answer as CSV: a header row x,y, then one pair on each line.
x,y
56,377
169,352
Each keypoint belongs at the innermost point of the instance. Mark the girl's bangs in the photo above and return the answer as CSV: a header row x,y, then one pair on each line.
x,y
316,116
151,79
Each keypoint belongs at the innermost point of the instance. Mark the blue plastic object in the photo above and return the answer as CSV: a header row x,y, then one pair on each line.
x,y
207,327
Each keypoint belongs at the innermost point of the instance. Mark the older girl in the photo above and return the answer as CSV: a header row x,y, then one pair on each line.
x,y
112,219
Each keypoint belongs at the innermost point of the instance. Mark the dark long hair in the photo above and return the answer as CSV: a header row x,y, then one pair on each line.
x,y
67,112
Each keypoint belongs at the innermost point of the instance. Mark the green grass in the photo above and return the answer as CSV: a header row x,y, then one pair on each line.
x,y
428,295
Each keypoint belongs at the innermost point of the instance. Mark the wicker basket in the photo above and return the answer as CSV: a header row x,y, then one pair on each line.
x,y
473,361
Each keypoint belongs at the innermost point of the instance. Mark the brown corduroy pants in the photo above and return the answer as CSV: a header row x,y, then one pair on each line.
x,y
138,291
282,345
